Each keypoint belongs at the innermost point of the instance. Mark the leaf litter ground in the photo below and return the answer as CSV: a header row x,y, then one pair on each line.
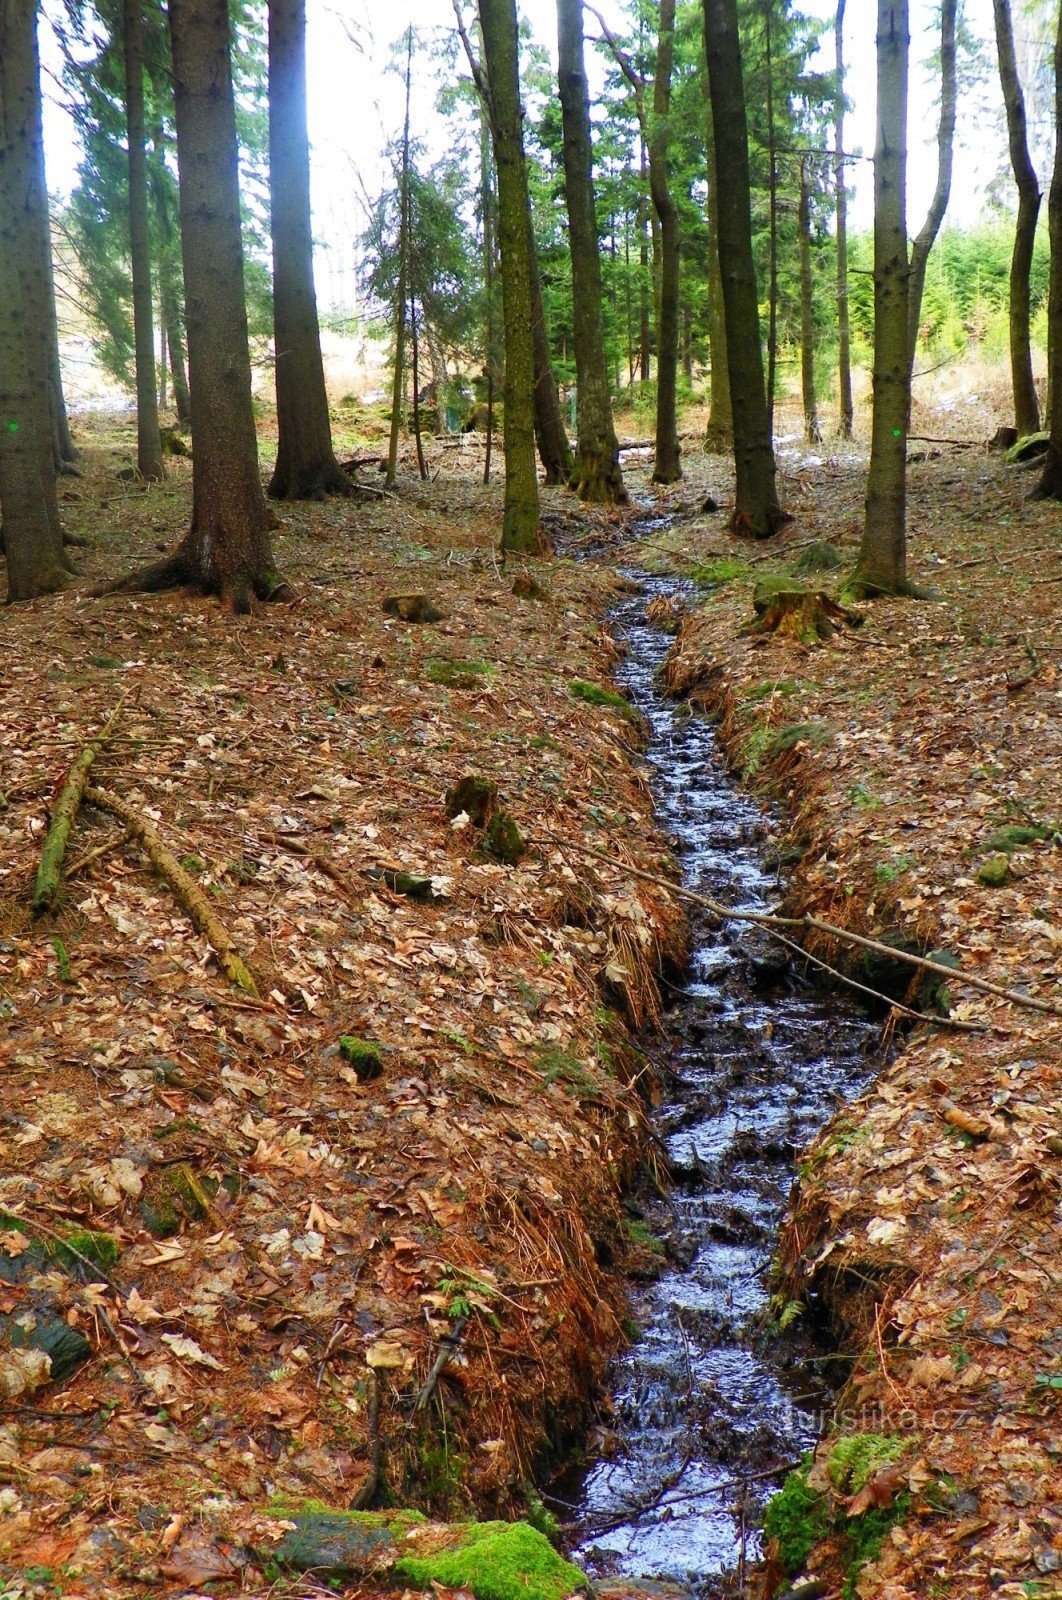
x,y
329,1233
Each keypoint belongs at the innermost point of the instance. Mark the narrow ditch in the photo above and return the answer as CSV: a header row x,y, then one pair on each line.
x,y
708,1400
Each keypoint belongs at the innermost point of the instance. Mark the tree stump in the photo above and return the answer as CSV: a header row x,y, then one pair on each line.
x,y
807,615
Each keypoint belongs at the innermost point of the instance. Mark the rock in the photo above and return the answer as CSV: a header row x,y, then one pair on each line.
x,y
474,795
44,1333
503,839
363,1055
709,504
1027,449
339,1542
412,608
19,1262
994,871
818,557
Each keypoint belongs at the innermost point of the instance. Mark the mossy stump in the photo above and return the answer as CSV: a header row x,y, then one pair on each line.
x,y
503,839
363,1055
786,607
477,797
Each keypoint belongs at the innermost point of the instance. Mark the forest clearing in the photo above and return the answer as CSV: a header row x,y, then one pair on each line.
x,y
530,808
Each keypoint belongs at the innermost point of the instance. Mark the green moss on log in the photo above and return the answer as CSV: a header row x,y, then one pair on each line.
x,y
363,1055
503,839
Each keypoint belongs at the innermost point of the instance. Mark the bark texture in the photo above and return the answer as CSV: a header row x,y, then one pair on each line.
x,y
720,429
667,467
882,565
1026,405
227,550
597,476
171,287
927,234
148,442
812,430
306,467
521,528
757,510
551,435
840,188
1050,484
31,534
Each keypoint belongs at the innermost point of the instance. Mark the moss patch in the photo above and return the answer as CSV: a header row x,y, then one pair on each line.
x,y
363,1055
496,1561
1015,838
797,1517
994,872
716,574
101,1249
594,695
459,674
503,839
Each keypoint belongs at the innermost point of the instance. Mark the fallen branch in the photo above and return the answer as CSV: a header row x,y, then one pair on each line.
x,y
187,891
50,871
365,1494
767,919
448,1345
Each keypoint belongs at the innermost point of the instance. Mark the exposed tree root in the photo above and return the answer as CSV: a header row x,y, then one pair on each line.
x,y
50,871
743,527
861,587
177,571
186,890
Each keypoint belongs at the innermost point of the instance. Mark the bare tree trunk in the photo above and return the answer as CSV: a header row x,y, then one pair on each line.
x,y
720,430
148,442
227,550
598,476
882,564
31,535
487,208
171,290
844,338
1050,484
306,467
923,244
757,510
551,435
667,467
415,353
812,430
1026,405
401,302
521,528
643,262
772,224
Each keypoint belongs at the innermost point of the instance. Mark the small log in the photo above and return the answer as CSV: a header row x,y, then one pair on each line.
x,y
186,890
50,871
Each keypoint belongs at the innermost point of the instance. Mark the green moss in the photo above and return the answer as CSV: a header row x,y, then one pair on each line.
x,y
503,839
594,695
363,1055
1015,838
797,1517
818,557
99,1248
714,574
642,1236
459,674
559,1066
175,1196
763,744
496,1561
857,1457
193,864
994,872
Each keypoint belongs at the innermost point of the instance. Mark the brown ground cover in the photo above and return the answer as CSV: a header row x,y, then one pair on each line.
x,y
330,1232
919,761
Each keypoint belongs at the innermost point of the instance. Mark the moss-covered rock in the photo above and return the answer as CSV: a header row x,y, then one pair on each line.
x,y
503,839
994,871
797,1517
593,694
818,557
491,1560
363,1055
476,796
409,884
75,1247
456,673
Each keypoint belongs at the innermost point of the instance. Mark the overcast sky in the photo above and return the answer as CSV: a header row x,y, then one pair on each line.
x,y
356,105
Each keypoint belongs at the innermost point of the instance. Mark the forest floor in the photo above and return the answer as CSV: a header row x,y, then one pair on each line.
x,y
293,1247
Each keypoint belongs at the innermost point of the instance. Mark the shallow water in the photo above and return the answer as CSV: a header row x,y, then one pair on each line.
x,y
703,1409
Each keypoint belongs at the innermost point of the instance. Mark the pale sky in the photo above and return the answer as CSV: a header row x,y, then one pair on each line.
x,y
356,105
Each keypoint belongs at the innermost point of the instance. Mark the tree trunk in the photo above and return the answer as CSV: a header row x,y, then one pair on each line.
x,y
550,432
398,379
772,224
171,291
486,203
415,373
840,187
148,442
643,263
1050,484
882,564
521,528
306,467
31,537
667,466
30,243
756,507
598,476
812,431
720,430
945,145
1026,405
227,550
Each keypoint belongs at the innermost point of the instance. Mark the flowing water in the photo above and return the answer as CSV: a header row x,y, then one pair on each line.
x,y
703,1404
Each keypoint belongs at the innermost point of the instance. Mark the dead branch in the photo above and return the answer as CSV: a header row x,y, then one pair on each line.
x,y
368,1489
448,1346
50,871
186,890
769,920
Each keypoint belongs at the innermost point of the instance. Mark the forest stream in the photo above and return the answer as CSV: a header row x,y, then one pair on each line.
x,y
704,1404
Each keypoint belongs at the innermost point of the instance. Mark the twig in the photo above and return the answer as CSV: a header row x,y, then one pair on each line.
x,y
675,1499
368,1489
448,1346
769,920
188,893
50,871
